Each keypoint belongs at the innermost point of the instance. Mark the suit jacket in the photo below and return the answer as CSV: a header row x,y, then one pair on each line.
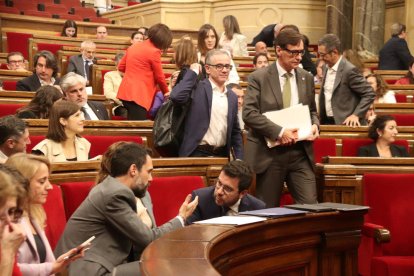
x,y
109,214
372,151
77,65
264,94
207,207
266,35
28,257
99,109
143,72
198,118
31,83
54,150
351,94
395,55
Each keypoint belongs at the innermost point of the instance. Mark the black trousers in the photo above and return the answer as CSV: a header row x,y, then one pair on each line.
x,y
135,111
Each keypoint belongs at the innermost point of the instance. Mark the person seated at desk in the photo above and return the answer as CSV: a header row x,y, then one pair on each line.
x,y
112,81
35,256
16,61
63,142
229,196
70,29
260,60
383,131
380,88
409,77
41,104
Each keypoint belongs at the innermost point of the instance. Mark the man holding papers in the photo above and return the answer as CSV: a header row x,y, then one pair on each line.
x,y
276,147
229,196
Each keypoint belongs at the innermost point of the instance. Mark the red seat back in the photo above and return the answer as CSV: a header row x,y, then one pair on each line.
x,y
99,144
168,193
55,213
18,42
53,48
9,109
404,119
350,146
401,98
34,140
390,197
74,193
324,147
9,85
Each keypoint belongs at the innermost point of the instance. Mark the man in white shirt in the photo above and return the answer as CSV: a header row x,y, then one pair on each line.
x,y
345,94
14,136
74,89
229,196
278,86
211,126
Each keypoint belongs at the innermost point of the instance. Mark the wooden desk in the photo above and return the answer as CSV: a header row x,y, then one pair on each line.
x,y
313,244
339,179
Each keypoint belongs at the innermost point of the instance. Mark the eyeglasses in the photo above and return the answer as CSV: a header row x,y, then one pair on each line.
x,y
16,61
15,214
220,67
324,54
295,53
226,189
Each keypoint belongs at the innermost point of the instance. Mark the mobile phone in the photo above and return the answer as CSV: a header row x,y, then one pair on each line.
x,y
79,248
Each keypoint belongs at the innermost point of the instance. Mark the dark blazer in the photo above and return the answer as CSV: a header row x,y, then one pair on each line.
x,y
264,94
198,118
207,207
77,65
31,83
351,94
109,214
99,109
395,55
372,151
266,35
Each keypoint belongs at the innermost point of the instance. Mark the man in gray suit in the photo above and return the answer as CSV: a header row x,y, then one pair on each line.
x,y
345,94
278,86
82,64
109,213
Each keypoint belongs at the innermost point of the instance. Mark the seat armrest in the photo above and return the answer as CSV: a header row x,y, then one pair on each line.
x,y
378,232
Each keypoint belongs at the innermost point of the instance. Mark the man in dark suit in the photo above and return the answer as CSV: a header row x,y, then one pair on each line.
x,y
345,94
211,126
267,34
278,86
229,196
74,89
82,64
395,54
44,73
110,214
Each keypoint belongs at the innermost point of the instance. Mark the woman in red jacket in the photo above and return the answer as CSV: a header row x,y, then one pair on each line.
x,y
143,72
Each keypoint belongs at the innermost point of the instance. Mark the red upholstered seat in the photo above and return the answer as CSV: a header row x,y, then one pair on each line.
x,y
390,198
324,147
70,16
131,3
99,144
34,140
9,85
18,42
12,10
404,119
168,193
38,13
4,66
246,65
9,109
53,48
390,81
55,213
100,20
350,146
74,193
401,98
85,12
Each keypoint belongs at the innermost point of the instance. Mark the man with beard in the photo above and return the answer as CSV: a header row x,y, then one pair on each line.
x,y
229,196
109,213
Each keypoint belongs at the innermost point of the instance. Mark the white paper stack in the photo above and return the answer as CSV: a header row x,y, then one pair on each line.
x,y
296,116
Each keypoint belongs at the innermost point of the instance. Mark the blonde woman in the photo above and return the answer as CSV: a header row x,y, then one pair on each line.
x,y
35,256
231,39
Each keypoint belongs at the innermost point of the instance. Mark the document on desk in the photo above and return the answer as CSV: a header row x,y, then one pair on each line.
x,y
231,220
296,116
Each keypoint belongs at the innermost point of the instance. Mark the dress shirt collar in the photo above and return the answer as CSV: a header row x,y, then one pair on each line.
x,y
42,82
335,67
3,157
234,209
281,71
215,88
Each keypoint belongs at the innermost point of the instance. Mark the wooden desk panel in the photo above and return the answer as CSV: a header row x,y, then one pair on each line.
x,y
313,244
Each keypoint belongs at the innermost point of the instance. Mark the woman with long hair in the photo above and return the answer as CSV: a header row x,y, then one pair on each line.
x,y
382,95
208,40
41,104
143,72
409,77
63,141
35,256
70,29
231,39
